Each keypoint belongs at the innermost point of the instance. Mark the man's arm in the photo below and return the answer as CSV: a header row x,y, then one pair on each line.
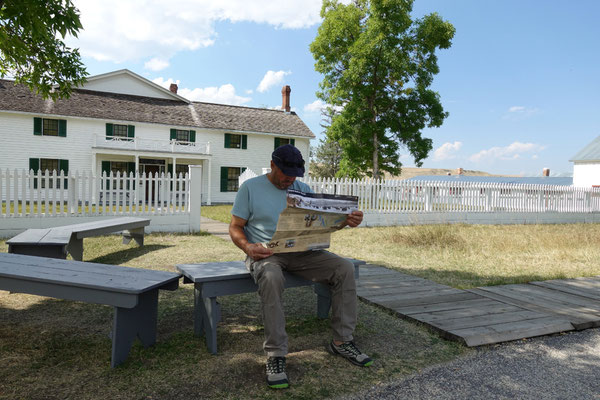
x,y
256,251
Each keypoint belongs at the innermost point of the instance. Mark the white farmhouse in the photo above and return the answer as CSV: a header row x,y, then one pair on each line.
x,y
122,122
586,168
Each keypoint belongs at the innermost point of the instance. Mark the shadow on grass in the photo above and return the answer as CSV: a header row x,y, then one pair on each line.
x,y
122,256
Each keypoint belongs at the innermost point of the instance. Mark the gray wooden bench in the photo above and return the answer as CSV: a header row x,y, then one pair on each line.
x,y
57,242
214,279
133,292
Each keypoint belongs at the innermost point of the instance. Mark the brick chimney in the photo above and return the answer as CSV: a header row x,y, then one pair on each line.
x,y
173,88
546,172
285,98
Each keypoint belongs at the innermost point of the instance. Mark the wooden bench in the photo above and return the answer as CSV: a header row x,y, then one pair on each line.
x,y
133,292
214,279
57,242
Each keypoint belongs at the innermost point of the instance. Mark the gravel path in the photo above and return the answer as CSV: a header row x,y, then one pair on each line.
x,y
563,366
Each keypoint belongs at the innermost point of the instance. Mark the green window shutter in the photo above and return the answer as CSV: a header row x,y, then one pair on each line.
x,y
224,174
193,136
130,169
227,140
62,127
293,142
37,126
130,131
277,142
63,166
34,164
109,130
106,169
173,134
243,169
244,141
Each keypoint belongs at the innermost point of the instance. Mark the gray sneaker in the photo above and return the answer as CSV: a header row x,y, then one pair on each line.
x,y
349,351
276,376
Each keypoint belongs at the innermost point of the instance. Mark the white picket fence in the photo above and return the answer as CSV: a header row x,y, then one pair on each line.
x,y
409,196
50,194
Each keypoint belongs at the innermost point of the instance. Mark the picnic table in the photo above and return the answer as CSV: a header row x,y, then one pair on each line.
x,y
133,292
57,242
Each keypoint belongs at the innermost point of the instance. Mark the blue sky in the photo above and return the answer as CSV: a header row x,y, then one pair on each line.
x,y
521,81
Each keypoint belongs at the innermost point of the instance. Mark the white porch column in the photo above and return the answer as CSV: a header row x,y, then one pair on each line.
x,y
208,186
195,197
95,178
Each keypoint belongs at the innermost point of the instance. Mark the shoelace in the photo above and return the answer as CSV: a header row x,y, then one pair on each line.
x,y
350,348
276,365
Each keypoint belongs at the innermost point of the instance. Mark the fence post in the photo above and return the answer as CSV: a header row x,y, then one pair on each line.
x,y
195,197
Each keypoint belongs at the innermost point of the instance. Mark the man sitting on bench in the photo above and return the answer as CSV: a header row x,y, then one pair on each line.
x,y
255,212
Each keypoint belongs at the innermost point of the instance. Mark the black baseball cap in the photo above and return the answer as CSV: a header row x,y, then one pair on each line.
x,y
289,160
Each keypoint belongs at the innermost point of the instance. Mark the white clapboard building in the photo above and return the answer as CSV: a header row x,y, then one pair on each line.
x,y
122,122
586,165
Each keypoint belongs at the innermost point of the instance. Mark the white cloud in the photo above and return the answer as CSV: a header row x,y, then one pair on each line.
x,y
520,112
224,94
118,31
315,106
271,79
511,152
446,151
156,64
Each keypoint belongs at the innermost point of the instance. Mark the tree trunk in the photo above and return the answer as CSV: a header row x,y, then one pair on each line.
x,y
375,156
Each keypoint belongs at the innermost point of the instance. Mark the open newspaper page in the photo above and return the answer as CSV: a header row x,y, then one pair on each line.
x,y
308,220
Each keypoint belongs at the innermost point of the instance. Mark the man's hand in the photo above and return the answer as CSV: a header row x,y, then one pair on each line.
x,y
354,219
257,251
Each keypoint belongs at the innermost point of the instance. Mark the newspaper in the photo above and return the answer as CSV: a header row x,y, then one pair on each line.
x,y
308,220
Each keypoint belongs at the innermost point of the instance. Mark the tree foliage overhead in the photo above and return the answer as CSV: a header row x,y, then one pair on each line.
x,y
378,66
31,50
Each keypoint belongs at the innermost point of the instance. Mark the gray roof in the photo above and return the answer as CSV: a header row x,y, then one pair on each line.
x,y
591,152
531,180
122,107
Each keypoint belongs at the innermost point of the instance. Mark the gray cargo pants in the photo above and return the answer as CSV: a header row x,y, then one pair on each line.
x,y
319,266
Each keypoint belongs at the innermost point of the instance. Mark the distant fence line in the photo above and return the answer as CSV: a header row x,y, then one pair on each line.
x,y
412,196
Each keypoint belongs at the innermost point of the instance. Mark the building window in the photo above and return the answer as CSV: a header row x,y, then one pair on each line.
x,y
122,132
230,178
51,167
283,141
234,141
183,135
49,127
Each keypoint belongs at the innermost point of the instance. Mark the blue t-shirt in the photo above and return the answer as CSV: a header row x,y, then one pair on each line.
x,y
259,202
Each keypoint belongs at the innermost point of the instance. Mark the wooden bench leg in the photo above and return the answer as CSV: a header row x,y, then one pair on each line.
x,y
207,313
136,234
129,323
75,248
323,300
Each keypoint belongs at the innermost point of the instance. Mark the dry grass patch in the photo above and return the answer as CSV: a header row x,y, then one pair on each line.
x,y
467,256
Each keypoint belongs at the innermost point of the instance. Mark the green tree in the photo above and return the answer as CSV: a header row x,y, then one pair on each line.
x,y
31,50
378,65
326,159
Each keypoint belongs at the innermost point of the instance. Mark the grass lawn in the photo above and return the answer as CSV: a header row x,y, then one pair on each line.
x,y
56,349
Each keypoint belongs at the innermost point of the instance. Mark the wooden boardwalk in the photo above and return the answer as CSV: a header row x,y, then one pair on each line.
x,y
485,315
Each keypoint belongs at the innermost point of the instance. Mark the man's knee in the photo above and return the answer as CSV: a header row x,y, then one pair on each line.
x,y
270,277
